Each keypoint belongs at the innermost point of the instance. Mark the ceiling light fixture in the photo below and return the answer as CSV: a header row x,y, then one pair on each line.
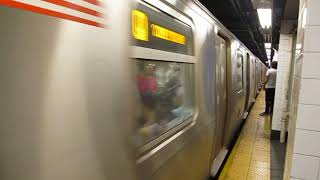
x,y
265,17
267,45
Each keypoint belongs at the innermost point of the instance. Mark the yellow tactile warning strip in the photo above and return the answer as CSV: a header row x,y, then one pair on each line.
x,y
250,158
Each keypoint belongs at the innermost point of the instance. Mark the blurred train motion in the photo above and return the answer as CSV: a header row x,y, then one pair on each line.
x,y
153,89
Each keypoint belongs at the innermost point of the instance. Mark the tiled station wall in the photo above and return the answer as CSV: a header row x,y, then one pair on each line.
x,y
284,62
303,150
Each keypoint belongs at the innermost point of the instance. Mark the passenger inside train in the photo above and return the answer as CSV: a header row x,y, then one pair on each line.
x,y
164,96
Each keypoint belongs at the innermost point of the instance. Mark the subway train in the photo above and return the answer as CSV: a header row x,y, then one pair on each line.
x,y
116,90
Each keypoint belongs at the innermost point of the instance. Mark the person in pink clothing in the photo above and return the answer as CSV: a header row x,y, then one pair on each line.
x,y
147,82
148,87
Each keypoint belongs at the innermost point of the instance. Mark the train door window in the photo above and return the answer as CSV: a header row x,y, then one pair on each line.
x,y
165,100
239,72
165,90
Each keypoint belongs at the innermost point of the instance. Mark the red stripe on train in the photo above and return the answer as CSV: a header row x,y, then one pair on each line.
x,y
75,7
48,12
95,2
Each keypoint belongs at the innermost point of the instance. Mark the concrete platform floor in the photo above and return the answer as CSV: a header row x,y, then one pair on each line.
x,y
252,159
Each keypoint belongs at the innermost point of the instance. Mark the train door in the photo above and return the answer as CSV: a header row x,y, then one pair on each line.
x,y
221,104
167,112
247,84
221,71
254,78
261,73
252,81
257,77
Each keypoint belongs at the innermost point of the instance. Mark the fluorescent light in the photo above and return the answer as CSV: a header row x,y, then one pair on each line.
x,y
265,17
267,45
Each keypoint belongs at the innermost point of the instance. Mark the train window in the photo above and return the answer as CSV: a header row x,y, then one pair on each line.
x,y
164,96
239,71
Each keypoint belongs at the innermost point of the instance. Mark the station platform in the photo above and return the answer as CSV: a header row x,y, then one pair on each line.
x,y
255,156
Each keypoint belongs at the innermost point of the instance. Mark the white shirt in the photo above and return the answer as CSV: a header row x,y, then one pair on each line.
x,y
272,74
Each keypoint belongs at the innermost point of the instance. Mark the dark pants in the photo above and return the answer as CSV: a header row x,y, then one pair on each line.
x,y
269,100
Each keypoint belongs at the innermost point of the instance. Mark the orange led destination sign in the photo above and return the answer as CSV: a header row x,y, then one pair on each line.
x,y
153,29
140,25
166,34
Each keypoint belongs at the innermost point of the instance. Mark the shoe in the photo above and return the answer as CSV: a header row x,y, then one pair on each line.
x,y
263,114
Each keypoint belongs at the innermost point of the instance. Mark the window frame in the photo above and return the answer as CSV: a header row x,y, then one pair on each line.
x,y
239,54
164,135
174,130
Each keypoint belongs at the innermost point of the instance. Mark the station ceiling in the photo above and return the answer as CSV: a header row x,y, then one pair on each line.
x,y
277,15
241,18
284,19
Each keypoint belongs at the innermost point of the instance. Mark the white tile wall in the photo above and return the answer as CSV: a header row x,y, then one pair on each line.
x,y
311,64
283,71
292,122
310,91
305,167
313,13
307,142
304,161
298,65
312,38
308,117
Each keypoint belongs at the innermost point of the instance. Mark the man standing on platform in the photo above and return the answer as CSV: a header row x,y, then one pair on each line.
x,y
270,86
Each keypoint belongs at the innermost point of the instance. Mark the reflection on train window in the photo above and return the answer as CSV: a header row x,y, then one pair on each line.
x,y
165,97
239,74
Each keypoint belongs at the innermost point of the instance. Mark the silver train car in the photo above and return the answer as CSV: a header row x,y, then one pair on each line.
x,y
116,90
